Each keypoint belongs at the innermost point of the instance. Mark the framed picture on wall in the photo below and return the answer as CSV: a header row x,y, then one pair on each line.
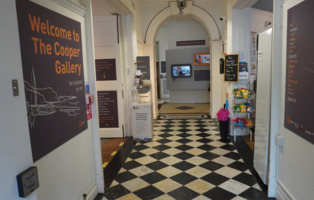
x,y
201,59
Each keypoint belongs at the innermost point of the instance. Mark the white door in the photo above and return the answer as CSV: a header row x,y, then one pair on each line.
x,y
263,92
109,84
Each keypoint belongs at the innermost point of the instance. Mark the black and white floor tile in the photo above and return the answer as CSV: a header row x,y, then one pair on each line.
x,y
185,160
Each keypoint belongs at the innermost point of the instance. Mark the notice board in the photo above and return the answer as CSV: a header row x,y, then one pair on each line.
x,y
232,67
106,69
299,95
52,62
143,65
108,109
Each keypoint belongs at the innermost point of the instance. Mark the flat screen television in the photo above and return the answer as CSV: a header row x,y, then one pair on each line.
x,y
181,70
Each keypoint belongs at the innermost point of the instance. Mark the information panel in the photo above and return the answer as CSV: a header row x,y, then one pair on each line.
x,y
143,65
108,109
106,70
232,67
299,97
51,51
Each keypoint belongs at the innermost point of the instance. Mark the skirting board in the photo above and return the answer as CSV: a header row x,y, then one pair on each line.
x,y
91,191
282,192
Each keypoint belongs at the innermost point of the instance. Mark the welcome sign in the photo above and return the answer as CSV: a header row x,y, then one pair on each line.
x,y
51,51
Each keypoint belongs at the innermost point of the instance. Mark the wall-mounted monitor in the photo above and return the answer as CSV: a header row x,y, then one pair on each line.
x,y
201,59
181,70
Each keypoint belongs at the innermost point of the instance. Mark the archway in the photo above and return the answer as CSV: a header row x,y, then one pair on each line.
x,y
216,80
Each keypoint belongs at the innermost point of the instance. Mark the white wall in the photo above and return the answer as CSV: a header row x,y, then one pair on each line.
x,y
68,171
151,9
189,29
296,162
15,150
239,31
180,30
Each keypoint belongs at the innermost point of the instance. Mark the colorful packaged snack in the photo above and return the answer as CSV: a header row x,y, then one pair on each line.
x,y
249,107
236,108
242,107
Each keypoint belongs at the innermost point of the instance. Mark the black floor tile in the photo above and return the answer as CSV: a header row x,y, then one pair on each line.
x,y
253,193
212,166
183,193
148,192
116,192
131,165
214,178
163,141
219,194
165,135
159,155
209,156
153,177
184,140
140,147
184,147
184,134
205,140
183,165
203,134
206,147
183,178
124,176
245,178
162,147
233,155
183,156
238,165
135,155
229,147
157,165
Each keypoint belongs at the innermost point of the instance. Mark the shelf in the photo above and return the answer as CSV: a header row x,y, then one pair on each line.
x,y
242,114
242,127
251,98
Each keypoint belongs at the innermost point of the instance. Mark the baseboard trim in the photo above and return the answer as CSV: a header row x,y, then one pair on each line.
x,y
91,191
282,193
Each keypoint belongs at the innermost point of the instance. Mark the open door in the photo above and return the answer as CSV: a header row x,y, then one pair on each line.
x,y
263,96
109,84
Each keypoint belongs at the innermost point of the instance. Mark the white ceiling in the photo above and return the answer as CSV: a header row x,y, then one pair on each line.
x,y
102,8
108,7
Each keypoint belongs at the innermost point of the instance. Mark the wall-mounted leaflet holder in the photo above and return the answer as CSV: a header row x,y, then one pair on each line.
x,y
222,65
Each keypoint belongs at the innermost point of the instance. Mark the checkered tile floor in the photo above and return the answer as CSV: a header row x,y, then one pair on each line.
x,y
185,160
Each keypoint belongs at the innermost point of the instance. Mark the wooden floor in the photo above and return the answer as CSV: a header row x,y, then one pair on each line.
x,y
110,148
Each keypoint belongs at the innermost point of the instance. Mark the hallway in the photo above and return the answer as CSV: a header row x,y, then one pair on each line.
x,y
185,160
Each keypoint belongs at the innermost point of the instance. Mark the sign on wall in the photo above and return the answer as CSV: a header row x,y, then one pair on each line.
x,y
51,51
191,43
232,67
143,65
108,109
106,70
299,95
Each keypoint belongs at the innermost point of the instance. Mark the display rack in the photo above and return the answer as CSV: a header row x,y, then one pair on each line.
x,y
242,109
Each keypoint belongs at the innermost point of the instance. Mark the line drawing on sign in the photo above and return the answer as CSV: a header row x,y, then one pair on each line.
x,y
46,101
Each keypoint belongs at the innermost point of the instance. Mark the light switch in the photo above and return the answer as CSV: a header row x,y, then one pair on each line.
x,y
15,87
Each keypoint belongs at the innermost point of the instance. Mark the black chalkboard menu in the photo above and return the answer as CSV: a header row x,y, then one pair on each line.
x,y
232,67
